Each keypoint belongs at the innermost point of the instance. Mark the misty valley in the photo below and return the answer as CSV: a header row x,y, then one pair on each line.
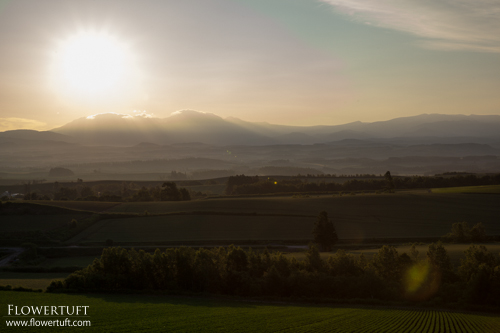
x,y
194,145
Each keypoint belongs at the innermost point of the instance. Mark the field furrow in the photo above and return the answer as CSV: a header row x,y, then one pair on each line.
x,y
147,313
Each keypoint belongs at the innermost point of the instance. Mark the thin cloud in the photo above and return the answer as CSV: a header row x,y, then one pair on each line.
x,y
443,24
188,111
142,114
106,114
8,124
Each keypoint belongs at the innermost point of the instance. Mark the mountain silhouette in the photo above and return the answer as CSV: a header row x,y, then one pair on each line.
x,y
185,126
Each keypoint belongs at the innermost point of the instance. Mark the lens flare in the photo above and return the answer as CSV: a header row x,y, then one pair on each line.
x,y
421,281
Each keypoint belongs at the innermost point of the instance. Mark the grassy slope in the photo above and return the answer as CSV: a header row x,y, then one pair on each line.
x,y
433,206
90,206
402,215
142,313
36,222
29,280
469,189
455,251
210,189
68,261
32,216
197,228
405,215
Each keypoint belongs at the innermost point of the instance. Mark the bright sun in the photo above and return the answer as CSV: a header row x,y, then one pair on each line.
x,y
91,63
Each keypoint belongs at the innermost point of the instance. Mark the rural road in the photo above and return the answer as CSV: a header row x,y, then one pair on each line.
x,y
15,252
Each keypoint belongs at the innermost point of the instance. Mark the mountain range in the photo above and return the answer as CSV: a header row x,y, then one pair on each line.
x,y
118,146
114,129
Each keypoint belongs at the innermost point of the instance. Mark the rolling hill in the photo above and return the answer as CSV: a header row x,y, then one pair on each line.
x,y
195,126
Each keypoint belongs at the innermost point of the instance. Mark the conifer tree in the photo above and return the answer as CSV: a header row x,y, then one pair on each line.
x,y
324,232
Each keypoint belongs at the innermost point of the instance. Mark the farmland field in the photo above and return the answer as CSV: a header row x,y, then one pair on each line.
x,y
142,313
359,217
198,228
29,280
367,207
455,251
68,261
209,189
91,206
469,189
36,222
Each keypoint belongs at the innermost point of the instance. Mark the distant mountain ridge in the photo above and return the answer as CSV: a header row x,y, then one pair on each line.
x,y
25,134
193,126
121,147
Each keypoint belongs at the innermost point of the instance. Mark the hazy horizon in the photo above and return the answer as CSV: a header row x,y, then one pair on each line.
x,y
299,63
143,115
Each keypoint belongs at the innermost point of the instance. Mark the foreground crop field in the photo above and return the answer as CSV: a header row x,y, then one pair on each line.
x,y
142,313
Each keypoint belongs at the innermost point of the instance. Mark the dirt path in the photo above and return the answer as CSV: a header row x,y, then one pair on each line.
x,y
15,252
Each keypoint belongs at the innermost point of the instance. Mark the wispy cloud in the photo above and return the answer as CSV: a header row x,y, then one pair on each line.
x,y
107,114
443,24
7,124
114,115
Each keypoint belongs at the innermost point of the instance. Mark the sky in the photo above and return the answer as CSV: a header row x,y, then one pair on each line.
x,y
291,62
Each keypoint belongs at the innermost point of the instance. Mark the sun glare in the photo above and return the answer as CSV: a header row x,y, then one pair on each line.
x,y
91,63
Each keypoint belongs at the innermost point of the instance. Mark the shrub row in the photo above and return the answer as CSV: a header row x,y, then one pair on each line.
x,y
387,276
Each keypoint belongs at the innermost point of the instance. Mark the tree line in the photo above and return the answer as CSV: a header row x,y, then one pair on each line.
x,y
388,275
167,192
241,184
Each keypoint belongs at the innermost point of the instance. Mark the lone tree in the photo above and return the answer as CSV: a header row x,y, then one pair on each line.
x,y
170,192
60,172
462,233
324,232
390,181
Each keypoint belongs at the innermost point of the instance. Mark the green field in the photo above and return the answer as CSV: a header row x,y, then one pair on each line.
x,y
455,251
408,215
29,280
469,189
404,215
11,223
68,261
367,207
178,228
91,206
217,189
142,313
